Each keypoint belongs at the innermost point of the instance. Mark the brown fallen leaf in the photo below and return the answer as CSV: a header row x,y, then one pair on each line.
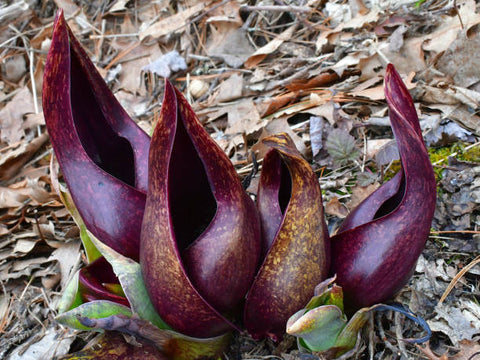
x,y
450,25
460,60
261,53
230,89
360,193
243,118
12,158
469,350
11,116
172,23
336,208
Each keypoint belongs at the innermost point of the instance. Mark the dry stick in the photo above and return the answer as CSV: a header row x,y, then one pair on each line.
x,y
458,14
282,8
456,232
399,334
98,47
457,278
122,54
383,336
29,51
456,153
195,19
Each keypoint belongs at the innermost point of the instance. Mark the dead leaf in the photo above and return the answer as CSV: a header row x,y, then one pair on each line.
x,y
118,5
357,22
243,118
410,58
12,158
229,43
458,323
172,23
469,350
261,53
134,58
336,208
383,150
445,133
51,344
450,25
68,6
460,60
10,198
230,89
69,258
317,130
280,125
11,116
14,67
395,41
360,193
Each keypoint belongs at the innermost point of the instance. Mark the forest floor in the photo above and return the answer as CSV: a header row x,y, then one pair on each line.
x,y
311,68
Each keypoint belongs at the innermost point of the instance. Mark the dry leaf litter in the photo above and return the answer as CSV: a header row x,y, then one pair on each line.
x,y
311,68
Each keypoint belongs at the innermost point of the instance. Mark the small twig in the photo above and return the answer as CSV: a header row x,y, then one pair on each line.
x,y
195,19
458,14
456,232
98,48
31,59
399,334
113,36
281,8
457,278
383,336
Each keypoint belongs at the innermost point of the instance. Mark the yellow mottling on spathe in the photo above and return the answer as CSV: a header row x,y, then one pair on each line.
x,y
276,260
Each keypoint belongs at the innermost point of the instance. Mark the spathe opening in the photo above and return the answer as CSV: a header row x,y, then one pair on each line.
x,y
392,203
192,203
111,152
285,189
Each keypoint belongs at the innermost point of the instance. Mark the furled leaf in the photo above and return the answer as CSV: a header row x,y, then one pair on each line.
x,y
64,195
70,296
323,328
94,310
318,328
129,274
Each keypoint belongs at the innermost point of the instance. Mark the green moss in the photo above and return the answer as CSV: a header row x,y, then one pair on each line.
x,y
439,158
392,170
472,154
461,151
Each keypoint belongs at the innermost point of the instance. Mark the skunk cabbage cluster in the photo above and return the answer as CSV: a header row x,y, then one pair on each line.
x,y
180,254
